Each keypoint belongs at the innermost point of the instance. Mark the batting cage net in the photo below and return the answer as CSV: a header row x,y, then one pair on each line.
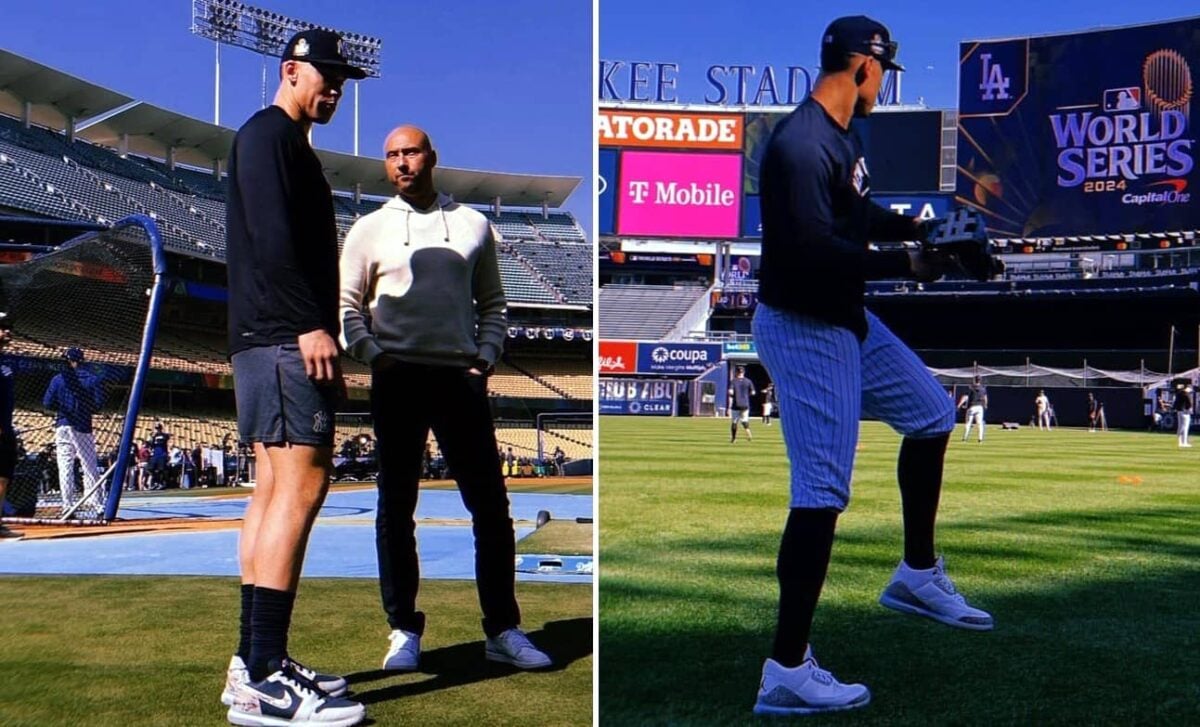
x,y
81,321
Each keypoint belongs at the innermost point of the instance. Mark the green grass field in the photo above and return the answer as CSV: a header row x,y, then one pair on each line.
x,y
1084,546
153,651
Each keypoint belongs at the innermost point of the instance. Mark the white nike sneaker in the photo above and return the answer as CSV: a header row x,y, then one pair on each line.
x,y
514,647
404,653
327,685
281,700
805,689
235,676
931,593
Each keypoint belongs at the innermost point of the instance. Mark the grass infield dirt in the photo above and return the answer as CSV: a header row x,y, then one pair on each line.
x,y
152,651
1084,546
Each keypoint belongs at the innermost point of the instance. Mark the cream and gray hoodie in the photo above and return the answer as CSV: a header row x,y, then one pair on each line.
x,y
422,285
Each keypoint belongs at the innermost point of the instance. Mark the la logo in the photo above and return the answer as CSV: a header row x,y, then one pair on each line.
x,y
995,83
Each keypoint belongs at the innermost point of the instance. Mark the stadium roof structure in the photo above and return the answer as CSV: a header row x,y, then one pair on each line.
x,y
102,116
55,96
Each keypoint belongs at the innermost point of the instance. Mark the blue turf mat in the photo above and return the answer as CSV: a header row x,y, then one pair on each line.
x,y
338,550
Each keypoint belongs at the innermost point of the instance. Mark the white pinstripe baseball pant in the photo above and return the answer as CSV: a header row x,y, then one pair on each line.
x,y
826,380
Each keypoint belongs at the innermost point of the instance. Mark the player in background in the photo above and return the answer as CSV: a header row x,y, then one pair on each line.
x,y
1183,414
1093,412
283,285
833,361
75,395
975,401
426,269
8,435
741,390
768,394
1042,405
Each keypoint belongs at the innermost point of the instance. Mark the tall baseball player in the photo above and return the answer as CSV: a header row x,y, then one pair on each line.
x,y
74,396
283,284
1041,404
833,361
741,390
975,401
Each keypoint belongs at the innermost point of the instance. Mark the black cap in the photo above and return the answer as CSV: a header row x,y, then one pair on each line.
x,y
73,354
323,49
860,34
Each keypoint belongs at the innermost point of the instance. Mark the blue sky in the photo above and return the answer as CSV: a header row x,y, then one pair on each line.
x,y
502,86
699,33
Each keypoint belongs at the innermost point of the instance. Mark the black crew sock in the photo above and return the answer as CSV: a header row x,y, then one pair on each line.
x,y
243,649
733,431
920,474
270,621
803,561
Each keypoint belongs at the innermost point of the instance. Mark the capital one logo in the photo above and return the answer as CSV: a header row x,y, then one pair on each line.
x,y
995,84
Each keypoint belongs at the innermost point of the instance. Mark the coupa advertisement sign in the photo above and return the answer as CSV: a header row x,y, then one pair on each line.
x,y
677,358
1081,134
635,396
679,195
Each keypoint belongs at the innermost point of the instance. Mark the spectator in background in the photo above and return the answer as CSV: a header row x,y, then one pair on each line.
x,y
1183,414
159,453
174,466
1095,414
8,436
143,466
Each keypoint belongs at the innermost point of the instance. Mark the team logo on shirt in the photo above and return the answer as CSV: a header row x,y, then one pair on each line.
x,y
859,179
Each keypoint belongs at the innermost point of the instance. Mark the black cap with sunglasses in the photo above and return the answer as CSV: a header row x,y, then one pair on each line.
x,y
859,34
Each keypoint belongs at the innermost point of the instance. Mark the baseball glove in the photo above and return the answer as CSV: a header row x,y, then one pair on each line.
x,y
961,240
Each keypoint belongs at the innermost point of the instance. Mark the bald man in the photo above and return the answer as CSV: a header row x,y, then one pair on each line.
x,y
425,269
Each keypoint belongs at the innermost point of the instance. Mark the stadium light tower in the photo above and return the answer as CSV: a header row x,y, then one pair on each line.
x,y
267,33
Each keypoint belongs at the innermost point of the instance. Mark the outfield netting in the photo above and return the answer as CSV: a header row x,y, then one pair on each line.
x,y
92,297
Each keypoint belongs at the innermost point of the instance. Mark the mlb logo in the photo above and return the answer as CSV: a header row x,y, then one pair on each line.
x,y
1123,99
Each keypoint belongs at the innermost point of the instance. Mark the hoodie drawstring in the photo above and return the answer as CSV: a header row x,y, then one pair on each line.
x,y
445,225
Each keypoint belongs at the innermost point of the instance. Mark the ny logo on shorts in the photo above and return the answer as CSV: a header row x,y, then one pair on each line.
x,y
320,422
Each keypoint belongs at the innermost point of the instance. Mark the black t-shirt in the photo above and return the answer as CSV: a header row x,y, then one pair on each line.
x,y
817,218
1183,401
743,389
281,238
977,395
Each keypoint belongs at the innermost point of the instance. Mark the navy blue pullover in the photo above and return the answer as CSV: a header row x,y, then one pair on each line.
x,y
817,218
281,238
74,396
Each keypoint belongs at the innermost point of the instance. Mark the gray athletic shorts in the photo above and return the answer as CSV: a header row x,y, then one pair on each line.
x,y
277,402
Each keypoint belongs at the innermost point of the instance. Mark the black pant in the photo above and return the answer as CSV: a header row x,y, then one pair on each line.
x,y
406,401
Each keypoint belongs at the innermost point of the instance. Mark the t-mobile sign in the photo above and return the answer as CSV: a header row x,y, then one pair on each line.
x,y
679,195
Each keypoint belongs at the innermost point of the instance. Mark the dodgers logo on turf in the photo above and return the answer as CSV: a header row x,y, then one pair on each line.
x,y
320,422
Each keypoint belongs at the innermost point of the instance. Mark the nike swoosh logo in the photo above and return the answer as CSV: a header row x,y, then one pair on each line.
x,y
277,703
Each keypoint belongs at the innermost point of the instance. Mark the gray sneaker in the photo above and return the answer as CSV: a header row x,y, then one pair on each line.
x,y
805,689
514,647
404,652
932,594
